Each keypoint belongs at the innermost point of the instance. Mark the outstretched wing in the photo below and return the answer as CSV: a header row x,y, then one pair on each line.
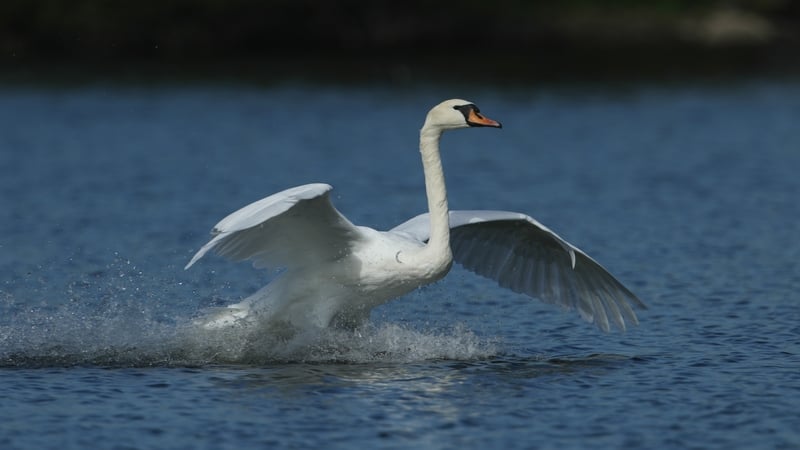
x,y
525,256
288,229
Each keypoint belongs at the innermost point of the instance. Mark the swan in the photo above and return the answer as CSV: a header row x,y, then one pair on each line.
x,y
334,272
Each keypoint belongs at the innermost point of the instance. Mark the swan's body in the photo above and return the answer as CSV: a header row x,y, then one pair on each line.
x,y
336,272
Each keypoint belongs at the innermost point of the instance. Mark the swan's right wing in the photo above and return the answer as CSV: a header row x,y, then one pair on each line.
x,y
292,228
525,256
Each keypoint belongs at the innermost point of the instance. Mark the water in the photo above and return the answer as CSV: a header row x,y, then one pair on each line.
x,y
688,193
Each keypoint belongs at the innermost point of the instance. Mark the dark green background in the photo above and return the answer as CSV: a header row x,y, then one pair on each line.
x,y
403,40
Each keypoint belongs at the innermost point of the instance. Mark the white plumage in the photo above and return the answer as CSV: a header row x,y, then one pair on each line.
x,y
336,272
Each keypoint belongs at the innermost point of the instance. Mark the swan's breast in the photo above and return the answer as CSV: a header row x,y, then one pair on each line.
x,y
385,268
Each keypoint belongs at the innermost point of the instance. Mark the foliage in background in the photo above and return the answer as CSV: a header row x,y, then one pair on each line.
x,y
151,29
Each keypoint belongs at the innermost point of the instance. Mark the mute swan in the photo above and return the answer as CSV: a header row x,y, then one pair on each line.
x,y
336,272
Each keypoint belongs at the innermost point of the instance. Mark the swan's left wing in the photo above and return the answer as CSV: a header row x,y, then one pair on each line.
x,y
292,228
525,256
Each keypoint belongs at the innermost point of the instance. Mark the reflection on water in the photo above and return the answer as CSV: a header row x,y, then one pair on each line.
x,y
428,376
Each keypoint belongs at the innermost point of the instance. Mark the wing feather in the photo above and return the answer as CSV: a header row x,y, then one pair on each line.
x,y
525,256
294,227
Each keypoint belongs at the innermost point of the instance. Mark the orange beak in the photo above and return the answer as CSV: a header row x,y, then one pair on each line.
x,y
475,119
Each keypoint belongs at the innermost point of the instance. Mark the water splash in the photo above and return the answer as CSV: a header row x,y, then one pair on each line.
x,y
126,341
371,343
123,315
124,334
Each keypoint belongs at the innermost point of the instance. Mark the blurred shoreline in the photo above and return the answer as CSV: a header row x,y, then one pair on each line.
x,y
513,41
574,66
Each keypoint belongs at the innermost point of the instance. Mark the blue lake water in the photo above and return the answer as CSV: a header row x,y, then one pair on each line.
x,y
687,193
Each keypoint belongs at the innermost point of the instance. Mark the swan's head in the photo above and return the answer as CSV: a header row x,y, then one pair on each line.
x,y
452,114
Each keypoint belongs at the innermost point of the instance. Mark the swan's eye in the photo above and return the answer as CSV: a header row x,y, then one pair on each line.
x,y
466,109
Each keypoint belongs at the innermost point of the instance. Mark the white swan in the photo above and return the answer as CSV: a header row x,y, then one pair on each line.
x,y
336,272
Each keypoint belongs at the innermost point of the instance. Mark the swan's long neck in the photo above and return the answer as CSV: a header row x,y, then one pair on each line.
x,y
439,242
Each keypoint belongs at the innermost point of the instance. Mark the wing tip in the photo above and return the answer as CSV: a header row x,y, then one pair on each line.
x,y
194,259
203,250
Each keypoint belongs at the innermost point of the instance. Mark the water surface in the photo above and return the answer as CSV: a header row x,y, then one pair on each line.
x,y
688,193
